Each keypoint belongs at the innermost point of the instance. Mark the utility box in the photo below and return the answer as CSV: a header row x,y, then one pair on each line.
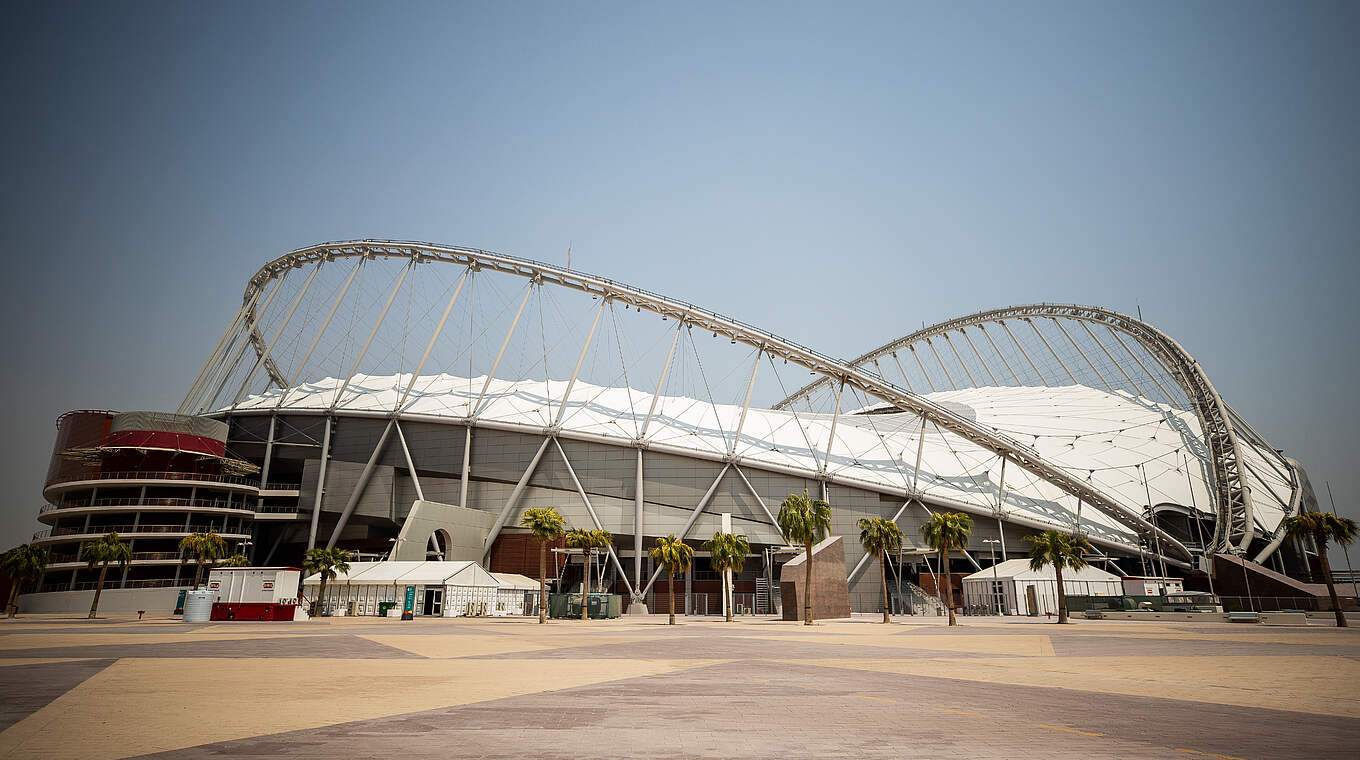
x,y
254,593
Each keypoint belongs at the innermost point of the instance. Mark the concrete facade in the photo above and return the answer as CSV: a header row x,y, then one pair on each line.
x,y
830,595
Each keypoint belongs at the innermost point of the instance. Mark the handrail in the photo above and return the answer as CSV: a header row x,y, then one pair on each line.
x,y
99,530
202,477
155,502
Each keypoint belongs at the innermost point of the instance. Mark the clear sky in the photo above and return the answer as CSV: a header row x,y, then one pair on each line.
x,y
836,173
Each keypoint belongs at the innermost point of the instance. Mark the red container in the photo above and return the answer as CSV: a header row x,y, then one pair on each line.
x,y
252,611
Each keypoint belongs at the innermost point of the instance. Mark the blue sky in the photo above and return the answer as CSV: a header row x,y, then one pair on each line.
x,y
835,173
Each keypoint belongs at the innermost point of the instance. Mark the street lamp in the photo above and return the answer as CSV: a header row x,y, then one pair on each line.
x,y
993,542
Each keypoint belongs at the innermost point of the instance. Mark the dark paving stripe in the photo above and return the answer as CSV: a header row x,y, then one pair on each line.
x,y
25,689
340,646
756,709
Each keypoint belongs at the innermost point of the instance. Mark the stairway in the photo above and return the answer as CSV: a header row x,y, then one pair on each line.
x,y
922,602
763,596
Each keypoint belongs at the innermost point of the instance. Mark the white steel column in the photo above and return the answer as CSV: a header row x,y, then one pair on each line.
x,y
382,316
831,439
1084,357
941,363
920,449
268,458
637,527
756,494
1000,507
594,518
864,559
439,328
905,379
1000,355
467,460
960,358
922,365
1044,340
410,465
660,381
576,371
292,382
746,403
514,497
1023,352
360,485
694,516
982,361
320,483
476,407
269,348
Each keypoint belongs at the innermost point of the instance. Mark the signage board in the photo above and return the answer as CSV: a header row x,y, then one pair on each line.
x,y
408,608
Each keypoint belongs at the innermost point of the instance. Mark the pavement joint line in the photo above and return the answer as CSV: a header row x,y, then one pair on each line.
x,y
1209,754
1068,730
880,699
960,712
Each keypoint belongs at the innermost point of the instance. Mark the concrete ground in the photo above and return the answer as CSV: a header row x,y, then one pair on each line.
x,y
635,687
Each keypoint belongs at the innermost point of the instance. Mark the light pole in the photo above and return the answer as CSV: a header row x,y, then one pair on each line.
x,y
993,542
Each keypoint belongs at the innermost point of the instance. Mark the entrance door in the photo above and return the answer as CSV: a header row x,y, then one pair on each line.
x,y
434,601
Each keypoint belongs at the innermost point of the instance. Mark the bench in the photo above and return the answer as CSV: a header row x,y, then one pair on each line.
x,y
1244,617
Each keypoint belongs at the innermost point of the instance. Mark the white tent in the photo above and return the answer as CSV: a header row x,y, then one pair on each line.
x,y
1009,585
450,589
515,590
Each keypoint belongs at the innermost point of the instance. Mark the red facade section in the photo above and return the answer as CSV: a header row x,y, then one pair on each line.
x,y
519,553
77,430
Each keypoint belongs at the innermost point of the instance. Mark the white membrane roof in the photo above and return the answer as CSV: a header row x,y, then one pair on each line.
x,y
1139,451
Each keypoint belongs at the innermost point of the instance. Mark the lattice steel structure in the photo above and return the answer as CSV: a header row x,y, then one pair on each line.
x,y
1126,433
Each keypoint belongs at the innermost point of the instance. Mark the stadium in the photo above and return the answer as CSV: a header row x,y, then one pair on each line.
x,y
409,401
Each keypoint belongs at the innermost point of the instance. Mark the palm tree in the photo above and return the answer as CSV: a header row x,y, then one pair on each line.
x,y
880,538
675,556
545,525
1059,549
104,551
236,560
580,538
805,521
942,532
599,539
727,551
1323,527
22,563
202,548
327,563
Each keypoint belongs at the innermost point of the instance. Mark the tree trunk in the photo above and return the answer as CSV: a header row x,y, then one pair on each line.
x,y
98,589
883,574
1062,595
12,608
198,572
727,596
807,592
319,604
948,585
585,586
1326,567
672,597
542,582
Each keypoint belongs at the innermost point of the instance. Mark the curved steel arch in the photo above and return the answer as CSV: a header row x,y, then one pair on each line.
x,y
832,370
1232,497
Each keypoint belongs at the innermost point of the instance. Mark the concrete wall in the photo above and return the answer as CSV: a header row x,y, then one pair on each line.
x,y
156,601
830,597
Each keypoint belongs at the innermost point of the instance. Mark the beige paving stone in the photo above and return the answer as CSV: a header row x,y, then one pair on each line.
x,y
137,706
1318,685
1021,645
463,645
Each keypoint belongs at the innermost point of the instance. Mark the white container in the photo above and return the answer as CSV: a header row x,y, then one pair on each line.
x,y
198,606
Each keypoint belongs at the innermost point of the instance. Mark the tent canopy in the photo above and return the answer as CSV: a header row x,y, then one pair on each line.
x,y
515,581
413,574
1019,570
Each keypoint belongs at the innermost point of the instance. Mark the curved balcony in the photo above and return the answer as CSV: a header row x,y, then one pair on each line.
x,y
199,479
50,512
65,535
72,561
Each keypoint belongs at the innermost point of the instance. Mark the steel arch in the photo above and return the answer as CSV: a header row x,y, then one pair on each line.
x,y
1232,497
831,369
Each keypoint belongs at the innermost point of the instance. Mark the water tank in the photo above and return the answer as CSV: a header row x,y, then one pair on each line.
x,y
198,606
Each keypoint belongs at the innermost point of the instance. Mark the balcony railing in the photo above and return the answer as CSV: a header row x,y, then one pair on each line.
x,y
66,557
281,487
150,502
112,583
94,530
274,508
201,477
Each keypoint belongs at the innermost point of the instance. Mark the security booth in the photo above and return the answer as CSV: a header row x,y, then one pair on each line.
x,y
254,593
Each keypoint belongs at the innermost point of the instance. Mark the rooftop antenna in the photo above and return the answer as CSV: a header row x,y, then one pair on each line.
x,y
569,256
1136,306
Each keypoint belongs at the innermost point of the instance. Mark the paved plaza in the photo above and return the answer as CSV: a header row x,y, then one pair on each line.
x,y
366,687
